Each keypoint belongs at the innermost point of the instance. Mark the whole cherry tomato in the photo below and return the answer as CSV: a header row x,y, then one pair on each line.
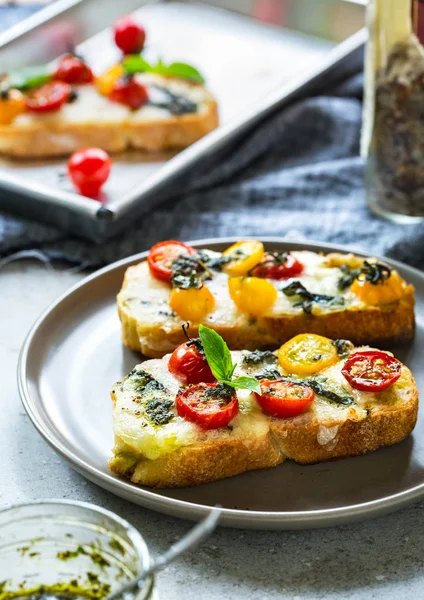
x,y
278,266
89,169
49,97
210,405
73,69
281,398
371,370
161,256
129,36
188,363
129,92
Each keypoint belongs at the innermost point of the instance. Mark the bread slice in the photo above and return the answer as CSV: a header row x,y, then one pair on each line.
x,y
150,326
93,120
179,453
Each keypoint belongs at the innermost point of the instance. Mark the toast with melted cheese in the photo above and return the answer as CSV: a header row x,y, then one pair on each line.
x,y
91,119
150,326
156,447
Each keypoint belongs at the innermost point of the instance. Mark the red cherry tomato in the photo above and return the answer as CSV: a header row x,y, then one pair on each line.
x,y
73,69
270,269
207,404
129,36
281,398
189,365
128,91
89,169
161,256
49,97
371,370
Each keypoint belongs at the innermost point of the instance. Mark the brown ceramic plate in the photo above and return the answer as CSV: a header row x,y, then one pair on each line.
x,y
74,354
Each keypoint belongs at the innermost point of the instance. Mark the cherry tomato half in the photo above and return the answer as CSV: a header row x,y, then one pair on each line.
x,y
371,370
282,398
73,69
270,268
89,169
49,97
161,256
207,404
129,36
189,365
126,90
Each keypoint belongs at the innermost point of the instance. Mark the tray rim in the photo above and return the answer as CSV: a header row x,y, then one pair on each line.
x,y
103,221
238,518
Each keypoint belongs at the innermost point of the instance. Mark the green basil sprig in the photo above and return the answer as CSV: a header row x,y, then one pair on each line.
x,y
28,78
134,63
220,361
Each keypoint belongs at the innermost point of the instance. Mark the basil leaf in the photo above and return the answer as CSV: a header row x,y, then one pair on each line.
x,y
217,354
134,63
178,69
28,78
245,383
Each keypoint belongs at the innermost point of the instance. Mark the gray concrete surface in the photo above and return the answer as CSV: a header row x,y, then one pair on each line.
x,y
383,558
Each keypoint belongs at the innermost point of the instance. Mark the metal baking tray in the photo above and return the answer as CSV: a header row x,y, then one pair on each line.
x,y
251,67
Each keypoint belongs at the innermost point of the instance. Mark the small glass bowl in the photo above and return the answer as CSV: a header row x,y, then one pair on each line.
x,y
69,548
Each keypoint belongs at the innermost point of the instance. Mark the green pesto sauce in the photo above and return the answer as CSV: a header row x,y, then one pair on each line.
x,y
95,590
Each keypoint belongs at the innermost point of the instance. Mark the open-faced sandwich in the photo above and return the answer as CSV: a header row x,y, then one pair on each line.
x,y
60,108
259,299
205,413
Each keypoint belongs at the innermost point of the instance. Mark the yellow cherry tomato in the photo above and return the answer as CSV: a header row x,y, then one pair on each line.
x,y
252,295
246,255
192,304
307,354
383,292
11,105
105,82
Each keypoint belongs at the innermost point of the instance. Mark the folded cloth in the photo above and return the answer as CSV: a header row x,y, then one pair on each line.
x,y
298,176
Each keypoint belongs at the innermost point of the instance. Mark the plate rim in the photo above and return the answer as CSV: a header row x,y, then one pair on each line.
x,y
190,510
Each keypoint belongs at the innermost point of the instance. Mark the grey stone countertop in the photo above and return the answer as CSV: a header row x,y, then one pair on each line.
x,y
373,559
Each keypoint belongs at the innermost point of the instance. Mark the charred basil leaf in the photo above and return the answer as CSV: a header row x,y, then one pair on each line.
x,y
268,373
343,347
373,273
309,299
159,411
259,357
176,104
318,384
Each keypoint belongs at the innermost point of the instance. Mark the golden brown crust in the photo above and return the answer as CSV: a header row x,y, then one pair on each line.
x,y
194,465
41,140
354,437
380,326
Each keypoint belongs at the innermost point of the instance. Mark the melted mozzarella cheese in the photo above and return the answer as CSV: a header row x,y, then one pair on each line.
x,y
135,433
91,107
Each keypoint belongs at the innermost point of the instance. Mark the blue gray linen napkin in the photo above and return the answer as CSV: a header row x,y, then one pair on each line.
x,y
298,175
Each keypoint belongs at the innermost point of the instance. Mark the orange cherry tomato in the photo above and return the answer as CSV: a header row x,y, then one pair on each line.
x,y
12,104
371,370
161,256
252,295
281,398
210,405
192,304
383,292
49,97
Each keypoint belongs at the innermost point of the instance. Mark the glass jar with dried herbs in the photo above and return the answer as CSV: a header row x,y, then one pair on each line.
x,y
393,127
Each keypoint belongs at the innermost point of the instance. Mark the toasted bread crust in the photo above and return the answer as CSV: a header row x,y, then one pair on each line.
x,y
42,140
302,441
194,465
380,326
382,427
